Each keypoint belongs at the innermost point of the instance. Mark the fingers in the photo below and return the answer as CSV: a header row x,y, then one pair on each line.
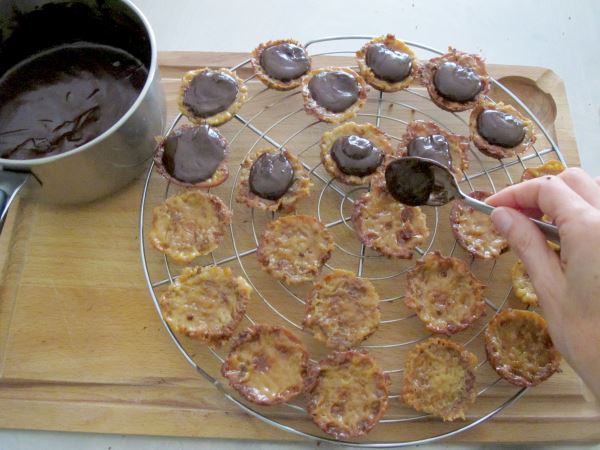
x,y
542,263
583,184
549,194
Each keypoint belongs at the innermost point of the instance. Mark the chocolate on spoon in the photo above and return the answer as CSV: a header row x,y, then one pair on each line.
x,y
418,181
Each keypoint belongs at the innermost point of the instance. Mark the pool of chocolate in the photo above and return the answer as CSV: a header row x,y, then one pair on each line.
x,y
65,78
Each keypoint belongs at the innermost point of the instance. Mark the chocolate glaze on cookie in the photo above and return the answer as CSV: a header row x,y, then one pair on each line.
x,y
355,155
434,146
499,128
410,182
335,91
271,176
284,62
210,93
457,83
388,64
193,154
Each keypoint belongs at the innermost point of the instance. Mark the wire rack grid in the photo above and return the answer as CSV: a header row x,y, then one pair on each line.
x,y
333,203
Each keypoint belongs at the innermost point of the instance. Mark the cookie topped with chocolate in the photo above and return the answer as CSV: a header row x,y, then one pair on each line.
x,y
273,180
333,94
193,156
499,130
211,96
353,152
429,140
281,63
387,63
455,81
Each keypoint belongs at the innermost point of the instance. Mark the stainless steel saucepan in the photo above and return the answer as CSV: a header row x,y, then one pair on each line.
x,y
117,156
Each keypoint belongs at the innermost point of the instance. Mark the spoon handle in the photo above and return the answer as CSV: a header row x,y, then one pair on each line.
x,y
549,230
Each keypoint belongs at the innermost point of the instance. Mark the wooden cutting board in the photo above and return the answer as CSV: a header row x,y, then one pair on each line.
x,y
82,348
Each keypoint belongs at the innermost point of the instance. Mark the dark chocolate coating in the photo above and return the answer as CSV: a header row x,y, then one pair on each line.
x,y
335,91
409,182
434,146
388,64
65,97
284,62
210,93
355,155
457,83
192,155
271,175
499,128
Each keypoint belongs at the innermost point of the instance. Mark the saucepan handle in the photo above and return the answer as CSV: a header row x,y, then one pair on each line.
x,y
10,185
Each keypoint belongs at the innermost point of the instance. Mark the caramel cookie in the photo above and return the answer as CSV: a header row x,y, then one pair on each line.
x,y
206,303
455,81
193,156
387,63
342,310
444,293
294,249
211,96
266,364
520,348
499,130
333,94
353,152
386,225
189,225
347,394
552,167
439,379
280,64
272,180
474,230
429,140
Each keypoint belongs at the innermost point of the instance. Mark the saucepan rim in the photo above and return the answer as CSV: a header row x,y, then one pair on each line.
x,y
26,163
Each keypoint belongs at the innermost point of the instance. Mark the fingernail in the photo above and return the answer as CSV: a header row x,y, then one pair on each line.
x,y
502,219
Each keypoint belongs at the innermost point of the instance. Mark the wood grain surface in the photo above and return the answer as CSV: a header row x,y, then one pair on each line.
x,y
83,349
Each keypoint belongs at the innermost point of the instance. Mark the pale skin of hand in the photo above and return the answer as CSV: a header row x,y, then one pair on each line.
x,y
568,287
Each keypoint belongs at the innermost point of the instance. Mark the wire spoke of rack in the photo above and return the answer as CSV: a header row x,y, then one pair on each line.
x,y
388,110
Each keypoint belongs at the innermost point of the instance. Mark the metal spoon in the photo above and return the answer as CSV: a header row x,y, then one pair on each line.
x,y
419,181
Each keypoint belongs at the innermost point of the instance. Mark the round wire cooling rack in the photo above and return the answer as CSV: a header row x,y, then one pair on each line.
x,y
278,119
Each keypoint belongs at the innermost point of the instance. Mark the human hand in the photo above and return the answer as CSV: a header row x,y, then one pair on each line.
x,y
568,287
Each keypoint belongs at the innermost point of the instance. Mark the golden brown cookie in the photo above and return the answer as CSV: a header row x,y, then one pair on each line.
x,y
522,286
286,59
336,95
491,145
294,249
473,63
474,230
189,225
206,303
193,156
298,189
444,293
267,365
342,310
350,137
392,76
520,348
439,378
552,167
457,146
386,225
347,394
211,96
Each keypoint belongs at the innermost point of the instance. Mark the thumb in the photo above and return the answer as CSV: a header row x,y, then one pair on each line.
x,y
542,263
